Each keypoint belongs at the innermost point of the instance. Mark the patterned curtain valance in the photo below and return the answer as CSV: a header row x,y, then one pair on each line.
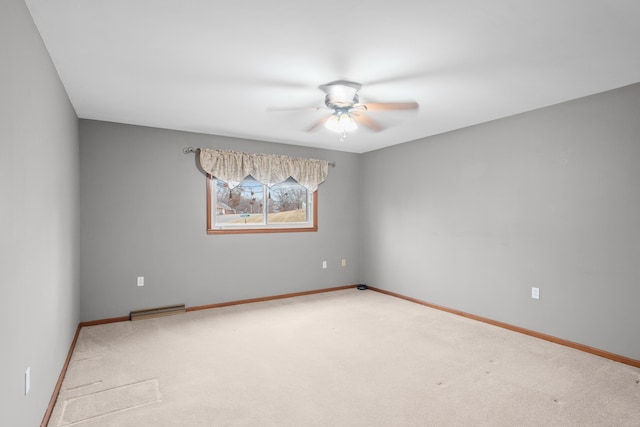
x,y
232,167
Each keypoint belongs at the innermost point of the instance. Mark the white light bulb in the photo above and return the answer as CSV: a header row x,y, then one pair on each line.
x,y
341,122
346,123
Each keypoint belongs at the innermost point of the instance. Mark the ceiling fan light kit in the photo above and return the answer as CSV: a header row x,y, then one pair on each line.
x,y
341,122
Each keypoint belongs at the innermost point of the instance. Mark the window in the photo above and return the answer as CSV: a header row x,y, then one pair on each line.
x,y
261,193
253,207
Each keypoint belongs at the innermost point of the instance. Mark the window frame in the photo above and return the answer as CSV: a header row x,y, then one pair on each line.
x,y
211,186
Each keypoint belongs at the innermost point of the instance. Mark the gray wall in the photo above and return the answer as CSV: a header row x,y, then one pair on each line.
x,y
143,213
38,215
470,220
474,218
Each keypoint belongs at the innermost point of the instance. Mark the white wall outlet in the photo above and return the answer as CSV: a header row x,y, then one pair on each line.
x,y
324,264
27,381
535,292
344,262
140,280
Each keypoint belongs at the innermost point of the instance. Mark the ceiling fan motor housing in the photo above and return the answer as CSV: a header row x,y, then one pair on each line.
x,y
340,104
341,94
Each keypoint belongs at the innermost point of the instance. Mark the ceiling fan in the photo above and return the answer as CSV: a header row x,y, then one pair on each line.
x,y
346,111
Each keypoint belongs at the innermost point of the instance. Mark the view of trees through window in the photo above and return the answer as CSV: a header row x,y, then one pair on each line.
x,y
253,203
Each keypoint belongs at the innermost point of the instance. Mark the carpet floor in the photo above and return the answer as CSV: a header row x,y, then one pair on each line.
x,y
343,358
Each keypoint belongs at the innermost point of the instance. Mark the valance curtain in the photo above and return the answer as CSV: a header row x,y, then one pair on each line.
x,y
232,167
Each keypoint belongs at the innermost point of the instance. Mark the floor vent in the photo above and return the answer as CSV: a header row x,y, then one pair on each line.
x,y
157,312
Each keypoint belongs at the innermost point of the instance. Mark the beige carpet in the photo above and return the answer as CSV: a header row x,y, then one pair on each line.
x,y
344,358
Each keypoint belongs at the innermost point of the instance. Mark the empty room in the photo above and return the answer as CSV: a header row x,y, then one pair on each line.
x,y
414,213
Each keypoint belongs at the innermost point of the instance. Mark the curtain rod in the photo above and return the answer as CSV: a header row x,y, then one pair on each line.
x,y
188,150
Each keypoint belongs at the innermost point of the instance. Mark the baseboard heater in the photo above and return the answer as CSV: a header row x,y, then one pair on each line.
x,y
149,313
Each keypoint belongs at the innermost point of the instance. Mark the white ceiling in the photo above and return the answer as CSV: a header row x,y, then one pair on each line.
x,y
219,67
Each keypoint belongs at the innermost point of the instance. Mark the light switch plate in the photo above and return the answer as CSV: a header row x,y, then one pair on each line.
x,y
27,381
535,292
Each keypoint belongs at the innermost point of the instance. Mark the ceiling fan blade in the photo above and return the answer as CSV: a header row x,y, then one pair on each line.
x,y
363,120
318,122
284,84
389,106
404,77
286,109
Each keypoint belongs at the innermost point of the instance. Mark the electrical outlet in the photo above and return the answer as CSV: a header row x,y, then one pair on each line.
x,y
324,264
140,280
535,292
344,262
27,381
